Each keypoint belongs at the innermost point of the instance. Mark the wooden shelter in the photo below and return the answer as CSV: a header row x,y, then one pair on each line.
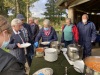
x,y
78,7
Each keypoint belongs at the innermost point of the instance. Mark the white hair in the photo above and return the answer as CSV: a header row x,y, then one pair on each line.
x,y
68,19
15,22
47,22
85,15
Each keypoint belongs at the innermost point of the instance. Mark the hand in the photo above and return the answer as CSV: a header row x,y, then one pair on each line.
x,y
36,44
19,45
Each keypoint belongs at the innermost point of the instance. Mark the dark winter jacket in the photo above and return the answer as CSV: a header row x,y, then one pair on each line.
x,y
9,65
35,31
50,38
27,26
14,50
87,33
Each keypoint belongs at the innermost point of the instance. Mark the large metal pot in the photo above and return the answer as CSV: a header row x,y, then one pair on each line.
x,y
92,65
51,54
74,52
56,45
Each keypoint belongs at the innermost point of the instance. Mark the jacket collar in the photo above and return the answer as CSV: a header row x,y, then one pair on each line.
x,y
16,32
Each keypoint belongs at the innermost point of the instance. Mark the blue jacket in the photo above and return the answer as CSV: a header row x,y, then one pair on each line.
x,y
51,37
14,50
87,33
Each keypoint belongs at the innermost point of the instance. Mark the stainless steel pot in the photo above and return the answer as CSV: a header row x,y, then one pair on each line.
x,y
93,68
57,45
74,52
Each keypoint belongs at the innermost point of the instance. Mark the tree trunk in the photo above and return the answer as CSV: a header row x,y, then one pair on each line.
x,y
17,7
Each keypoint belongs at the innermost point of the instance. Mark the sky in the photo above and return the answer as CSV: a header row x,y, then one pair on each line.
x,y
39,8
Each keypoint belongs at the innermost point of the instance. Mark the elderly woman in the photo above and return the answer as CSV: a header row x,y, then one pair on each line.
x,y
9,65
47,33
69,33
16,40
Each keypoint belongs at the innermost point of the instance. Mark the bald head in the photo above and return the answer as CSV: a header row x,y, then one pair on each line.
x,y
31,20
85,18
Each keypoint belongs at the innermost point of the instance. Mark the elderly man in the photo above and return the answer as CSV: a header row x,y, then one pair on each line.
x,y
47,33
87,34
34,31
34,28
26,30
36,21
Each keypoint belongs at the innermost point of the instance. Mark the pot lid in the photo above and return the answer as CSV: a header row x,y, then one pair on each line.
x,y
73,49
50,50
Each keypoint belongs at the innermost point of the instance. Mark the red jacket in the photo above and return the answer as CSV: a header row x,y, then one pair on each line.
x,y
74,31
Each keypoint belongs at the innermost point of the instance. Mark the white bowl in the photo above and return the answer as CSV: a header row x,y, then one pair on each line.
x,y
45,71
25,45
45,43
79,66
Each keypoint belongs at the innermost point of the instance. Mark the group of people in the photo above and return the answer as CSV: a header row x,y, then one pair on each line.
x,y
18,32
84,33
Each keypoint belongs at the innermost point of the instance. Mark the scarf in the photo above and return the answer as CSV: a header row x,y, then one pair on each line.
x,y
47,32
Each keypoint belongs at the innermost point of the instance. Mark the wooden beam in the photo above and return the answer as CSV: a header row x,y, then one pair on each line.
x,y
77,2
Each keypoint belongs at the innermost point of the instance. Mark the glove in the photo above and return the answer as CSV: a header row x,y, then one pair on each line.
x,y
50,42
41,74
36,44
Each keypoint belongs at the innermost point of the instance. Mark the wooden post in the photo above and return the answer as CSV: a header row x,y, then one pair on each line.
x,y
27,9
17,7
71,14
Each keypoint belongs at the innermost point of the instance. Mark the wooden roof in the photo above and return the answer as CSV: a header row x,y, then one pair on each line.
x,y
70,3
84,5
91,6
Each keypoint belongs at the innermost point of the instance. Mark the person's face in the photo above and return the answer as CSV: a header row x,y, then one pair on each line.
x,y
68,22
36,21
84,18
4,36
22,21
30,21
17,27
46,25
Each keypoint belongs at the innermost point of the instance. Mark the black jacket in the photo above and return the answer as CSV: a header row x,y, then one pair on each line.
x,y
9,65
35,31
14,50
27,26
